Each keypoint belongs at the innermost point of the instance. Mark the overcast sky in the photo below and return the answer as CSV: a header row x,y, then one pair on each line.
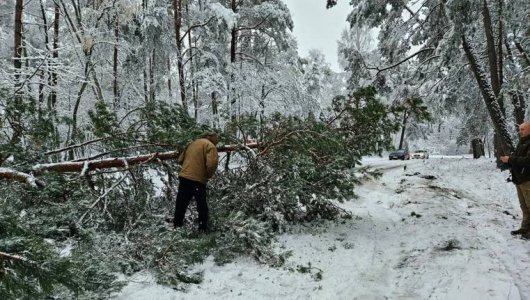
x,y
316,27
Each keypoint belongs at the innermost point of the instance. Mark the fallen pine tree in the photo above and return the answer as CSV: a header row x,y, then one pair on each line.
x,y
83,167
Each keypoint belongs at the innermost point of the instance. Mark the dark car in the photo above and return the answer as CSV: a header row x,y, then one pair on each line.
x,y
399,154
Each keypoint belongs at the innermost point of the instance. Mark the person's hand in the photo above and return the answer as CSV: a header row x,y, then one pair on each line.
x,y
505,159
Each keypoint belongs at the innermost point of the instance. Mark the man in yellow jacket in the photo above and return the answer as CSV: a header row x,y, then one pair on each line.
x,y
199,162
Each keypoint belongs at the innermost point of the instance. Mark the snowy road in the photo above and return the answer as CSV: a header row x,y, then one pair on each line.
x,y
411,238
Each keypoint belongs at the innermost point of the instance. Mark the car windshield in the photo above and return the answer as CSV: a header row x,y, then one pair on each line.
x,y
420,151
400,151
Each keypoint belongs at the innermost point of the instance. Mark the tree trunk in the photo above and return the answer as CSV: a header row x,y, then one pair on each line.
x,y
519,106
122,162
214,110
42,74
91,165
499,44
524,56
402,138
192,71
52,98
494,110
233,50
115,91
73,132
152,89
477,147
262,112
17,46
177,10
42,79
13,115
146,88
169,85
492,53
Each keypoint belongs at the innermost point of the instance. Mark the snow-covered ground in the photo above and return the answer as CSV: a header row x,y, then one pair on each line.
x,y
411,238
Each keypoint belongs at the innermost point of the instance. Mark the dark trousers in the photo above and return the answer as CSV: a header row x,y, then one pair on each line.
x,y
187,190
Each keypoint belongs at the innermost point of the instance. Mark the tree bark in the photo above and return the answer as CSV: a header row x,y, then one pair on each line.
x,y
146,88
233,49
169,85
120,162
519,106
494,109
13,115
524,56
115,90
404,125
492,53
73,133
17,46
478,148
192,70
11,174
177,11
499,45
214,110
52,98
152,90
43,77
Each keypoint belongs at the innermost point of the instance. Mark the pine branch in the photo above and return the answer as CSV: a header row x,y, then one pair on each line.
x,y
193,27
255,26
379,70
80,221
73,146
8,256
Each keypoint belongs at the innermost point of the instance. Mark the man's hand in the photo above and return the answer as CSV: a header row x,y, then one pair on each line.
x,y
505,159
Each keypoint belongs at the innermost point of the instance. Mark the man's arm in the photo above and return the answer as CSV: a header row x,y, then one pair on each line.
x,y
211,160
519,161
180,160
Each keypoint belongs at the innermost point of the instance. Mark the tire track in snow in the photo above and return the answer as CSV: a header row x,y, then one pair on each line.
x,y
417,259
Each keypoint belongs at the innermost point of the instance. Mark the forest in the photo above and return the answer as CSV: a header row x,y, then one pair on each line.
x,y
98,97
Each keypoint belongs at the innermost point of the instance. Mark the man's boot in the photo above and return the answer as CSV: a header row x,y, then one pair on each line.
x,y
520,231
526,236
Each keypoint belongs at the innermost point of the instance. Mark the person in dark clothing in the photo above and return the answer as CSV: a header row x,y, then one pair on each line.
x,y
199,162
519,163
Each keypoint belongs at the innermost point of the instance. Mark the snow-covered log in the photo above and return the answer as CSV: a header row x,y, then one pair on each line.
x,y
85,166
11,174
121,162
115,162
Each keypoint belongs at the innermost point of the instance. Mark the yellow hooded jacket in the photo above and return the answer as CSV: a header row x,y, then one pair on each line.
x,y
198,160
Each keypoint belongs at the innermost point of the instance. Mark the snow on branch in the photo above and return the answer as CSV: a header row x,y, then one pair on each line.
x,y
11,174
120,162
16,257
117,162
73,146
379,70
490,99
83,167
193,27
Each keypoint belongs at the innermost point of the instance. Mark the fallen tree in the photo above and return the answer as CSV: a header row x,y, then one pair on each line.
x,y
83,167
10,174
